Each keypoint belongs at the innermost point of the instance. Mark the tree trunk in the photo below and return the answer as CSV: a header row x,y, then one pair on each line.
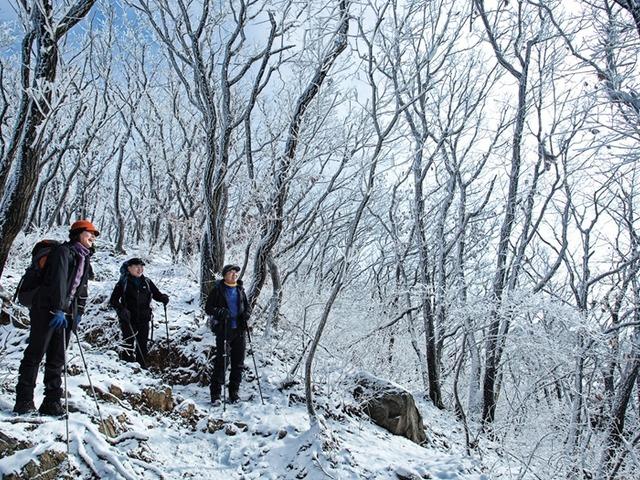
x,y
18,192
492,359
276,297
425,278
577,400
615,430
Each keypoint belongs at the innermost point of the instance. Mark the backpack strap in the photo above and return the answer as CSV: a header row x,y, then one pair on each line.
x,y
123,281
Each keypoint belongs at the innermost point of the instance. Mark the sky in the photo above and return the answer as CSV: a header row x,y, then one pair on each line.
x,y
7,11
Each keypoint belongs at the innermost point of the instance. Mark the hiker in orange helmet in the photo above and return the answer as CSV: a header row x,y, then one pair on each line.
x,y
57,309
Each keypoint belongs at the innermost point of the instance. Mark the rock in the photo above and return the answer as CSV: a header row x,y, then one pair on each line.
x,y
108,427
187,409
116,391
74,370
10,445
158,400
282,433
190,413
243,427
213,425
47,467
390,406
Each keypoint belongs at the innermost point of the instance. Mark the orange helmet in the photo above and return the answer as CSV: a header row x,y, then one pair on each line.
x,y
82,225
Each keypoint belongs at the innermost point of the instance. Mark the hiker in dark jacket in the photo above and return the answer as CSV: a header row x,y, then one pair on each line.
x,y
229,309
131,298
57,309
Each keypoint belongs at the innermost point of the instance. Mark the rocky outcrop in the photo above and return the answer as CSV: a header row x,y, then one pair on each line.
x,y
390,406
9,445
152,399
158,400
47,467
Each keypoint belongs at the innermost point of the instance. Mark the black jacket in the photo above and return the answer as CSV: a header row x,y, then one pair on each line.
x,y
217,307
54,292
135,298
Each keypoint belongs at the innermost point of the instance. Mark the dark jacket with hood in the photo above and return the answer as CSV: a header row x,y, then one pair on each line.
x,y
135,297
55,290
217,307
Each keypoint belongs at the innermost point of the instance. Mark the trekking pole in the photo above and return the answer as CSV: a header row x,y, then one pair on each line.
x,y
224,371
152,327
166,323
255,365
93,391
66,391
134,333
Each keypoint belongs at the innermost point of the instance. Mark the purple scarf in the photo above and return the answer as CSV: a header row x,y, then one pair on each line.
x,y
82,253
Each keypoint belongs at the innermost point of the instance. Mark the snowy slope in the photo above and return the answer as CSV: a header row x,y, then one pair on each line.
x,y
195,439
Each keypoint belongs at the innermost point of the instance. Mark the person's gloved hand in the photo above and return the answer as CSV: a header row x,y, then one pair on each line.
x,y
164,298
213,323
58,320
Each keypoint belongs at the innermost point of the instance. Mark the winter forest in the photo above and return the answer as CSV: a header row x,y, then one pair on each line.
x,y
441,193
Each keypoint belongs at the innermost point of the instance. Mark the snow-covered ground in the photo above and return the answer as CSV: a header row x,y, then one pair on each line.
x,y
195,439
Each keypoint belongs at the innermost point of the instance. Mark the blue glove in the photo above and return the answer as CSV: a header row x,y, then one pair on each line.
x,y
58,320
76,320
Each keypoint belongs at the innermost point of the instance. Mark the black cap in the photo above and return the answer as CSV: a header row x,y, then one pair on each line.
x,y
228,268
134,261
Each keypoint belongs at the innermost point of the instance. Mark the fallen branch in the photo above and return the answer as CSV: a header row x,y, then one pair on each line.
x,y
34,420
128,436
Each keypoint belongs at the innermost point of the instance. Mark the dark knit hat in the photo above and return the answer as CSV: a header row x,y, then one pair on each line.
x,y
228,268
135,261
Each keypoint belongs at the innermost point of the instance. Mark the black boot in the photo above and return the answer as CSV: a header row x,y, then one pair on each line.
x,y
24,406
52,408
234,396
215,389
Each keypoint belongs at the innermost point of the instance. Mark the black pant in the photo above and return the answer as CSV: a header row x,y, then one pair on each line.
x,y
236,346
140,333
43,340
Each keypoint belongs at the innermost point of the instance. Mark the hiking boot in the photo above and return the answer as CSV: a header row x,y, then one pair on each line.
x,y
52,408
234,397
24,406
215,390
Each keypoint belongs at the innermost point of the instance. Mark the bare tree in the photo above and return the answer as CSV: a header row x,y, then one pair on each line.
x,y
39,66
217,72
521,50
382,131
273,227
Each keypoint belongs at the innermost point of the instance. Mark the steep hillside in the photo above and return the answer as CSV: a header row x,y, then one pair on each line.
x,y
160,423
